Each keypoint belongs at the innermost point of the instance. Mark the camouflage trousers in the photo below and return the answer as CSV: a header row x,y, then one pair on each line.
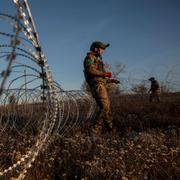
x,y
104,115
155,96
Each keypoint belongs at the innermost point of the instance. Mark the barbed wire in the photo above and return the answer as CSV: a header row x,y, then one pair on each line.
x,y
48,90
32,106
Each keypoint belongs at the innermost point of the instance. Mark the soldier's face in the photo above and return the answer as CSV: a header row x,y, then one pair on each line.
x,y
100,51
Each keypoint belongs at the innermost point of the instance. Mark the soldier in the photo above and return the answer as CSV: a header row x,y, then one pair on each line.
x,y
97,77
12,102
154,90
12,98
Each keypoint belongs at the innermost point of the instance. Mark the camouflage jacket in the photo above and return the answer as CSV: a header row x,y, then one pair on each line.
x,y
154,86
93,69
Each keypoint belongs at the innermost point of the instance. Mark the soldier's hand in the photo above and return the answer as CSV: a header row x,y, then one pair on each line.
x,y
107,74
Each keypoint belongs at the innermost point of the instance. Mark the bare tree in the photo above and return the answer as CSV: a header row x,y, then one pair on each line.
x,y
140,88
117,70
164,88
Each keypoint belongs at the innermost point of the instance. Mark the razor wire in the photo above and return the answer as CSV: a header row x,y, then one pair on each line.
x,y
29,157
32,106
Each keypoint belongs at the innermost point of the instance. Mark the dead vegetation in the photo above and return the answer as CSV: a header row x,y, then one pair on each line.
x,y
144,144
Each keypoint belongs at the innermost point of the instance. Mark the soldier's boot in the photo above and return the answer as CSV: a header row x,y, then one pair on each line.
x,y
108,120
110,125
158,99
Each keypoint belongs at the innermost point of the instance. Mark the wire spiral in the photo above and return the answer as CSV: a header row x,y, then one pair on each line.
x,y
32,106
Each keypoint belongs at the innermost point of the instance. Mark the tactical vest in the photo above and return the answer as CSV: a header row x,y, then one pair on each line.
x,y
155,86
98,63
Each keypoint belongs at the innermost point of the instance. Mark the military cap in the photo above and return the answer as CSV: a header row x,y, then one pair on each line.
x,y
151,79
98,44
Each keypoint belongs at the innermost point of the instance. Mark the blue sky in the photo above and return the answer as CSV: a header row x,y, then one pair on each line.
x,y
144,35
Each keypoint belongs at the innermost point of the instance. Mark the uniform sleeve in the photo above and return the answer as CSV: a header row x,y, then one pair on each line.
x,y
91,68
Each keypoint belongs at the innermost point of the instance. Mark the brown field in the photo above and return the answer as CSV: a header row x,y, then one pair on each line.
x,y
144,144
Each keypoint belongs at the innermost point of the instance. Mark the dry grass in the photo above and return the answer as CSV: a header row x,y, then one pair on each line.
x,y
144,144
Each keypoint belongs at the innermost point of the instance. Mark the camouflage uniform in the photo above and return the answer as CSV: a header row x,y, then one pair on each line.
x,y
12,102
93,67
155,90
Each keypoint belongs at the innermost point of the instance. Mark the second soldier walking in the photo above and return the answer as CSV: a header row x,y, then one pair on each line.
x,y
154,90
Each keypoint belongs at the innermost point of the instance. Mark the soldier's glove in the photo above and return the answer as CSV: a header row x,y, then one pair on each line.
x,y
107,74
115,81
